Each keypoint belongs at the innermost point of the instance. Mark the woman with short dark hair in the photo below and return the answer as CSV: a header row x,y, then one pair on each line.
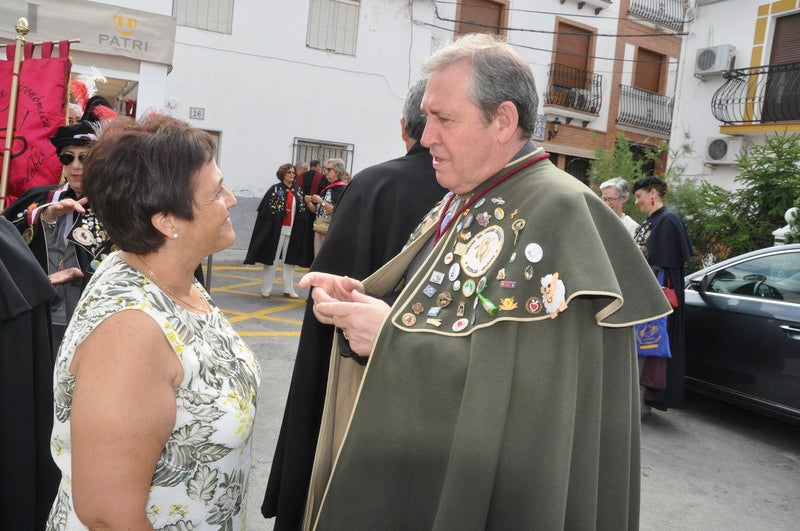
x,y
155,393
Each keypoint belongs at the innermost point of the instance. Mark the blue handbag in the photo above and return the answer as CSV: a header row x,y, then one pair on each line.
x,y
652,339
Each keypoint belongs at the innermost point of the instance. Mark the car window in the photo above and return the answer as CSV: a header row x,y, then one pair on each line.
x,y
770,277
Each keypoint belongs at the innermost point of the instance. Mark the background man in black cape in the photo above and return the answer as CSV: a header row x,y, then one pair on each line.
x,y
28,476
373,220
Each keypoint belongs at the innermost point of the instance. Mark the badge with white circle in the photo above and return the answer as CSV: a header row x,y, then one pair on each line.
x,y
460,325
533,252
482,251
469,288
455,270
448,258
83,236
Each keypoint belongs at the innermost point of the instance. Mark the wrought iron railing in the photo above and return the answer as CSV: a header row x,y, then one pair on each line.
x,y
574,88
668,13
642,108
759,94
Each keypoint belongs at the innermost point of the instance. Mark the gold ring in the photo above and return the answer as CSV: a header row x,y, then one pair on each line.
x,y
344,333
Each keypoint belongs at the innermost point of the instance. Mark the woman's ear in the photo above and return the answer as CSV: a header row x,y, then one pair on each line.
x,y
165,224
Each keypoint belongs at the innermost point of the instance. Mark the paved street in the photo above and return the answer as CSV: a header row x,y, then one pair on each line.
x,y
708,466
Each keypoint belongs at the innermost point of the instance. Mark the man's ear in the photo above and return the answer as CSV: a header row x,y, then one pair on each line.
x,y
403,133
507,120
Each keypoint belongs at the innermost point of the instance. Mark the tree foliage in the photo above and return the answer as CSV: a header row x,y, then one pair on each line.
x,y
724,223
720,222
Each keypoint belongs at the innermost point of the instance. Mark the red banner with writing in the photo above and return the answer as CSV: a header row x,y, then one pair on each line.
x,y
41,109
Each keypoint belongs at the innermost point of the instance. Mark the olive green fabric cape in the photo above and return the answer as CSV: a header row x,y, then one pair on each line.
x,y
527,419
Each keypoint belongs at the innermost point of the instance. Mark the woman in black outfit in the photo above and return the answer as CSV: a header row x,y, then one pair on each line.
x,y
663,239
278,232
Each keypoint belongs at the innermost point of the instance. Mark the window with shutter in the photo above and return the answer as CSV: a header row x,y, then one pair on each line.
x,y
782,95
648,70
482,16
209,15
333,25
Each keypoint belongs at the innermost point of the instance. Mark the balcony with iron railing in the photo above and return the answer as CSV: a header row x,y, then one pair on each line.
x,y
574,89
759,95
645,110
669,13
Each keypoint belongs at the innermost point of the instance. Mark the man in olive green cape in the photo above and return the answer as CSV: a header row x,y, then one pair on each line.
x,y
501,391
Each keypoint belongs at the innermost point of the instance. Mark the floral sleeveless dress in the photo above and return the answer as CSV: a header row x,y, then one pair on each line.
x,y
200,481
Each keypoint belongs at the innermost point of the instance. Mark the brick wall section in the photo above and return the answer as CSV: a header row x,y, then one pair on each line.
x,y
574,135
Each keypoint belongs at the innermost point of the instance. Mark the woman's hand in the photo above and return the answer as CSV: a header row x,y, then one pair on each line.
x,y
341,301
65,275
51,213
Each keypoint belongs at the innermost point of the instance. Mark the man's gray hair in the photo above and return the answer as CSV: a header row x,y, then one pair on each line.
x,y
337,165
412,113
498,74
620,184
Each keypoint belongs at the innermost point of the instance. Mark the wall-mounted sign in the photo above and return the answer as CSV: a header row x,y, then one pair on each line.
x,y
102,28
197,113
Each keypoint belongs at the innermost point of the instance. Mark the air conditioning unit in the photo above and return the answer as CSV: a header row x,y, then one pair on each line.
x,y
723,149
714,60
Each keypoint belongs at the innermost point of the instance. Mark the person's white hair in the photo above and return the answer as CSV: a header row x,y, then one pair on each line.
x,y
620,184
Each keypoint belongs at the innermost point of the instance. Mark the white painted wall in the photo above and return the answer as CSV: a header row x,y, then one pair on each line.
x,y
261,87
726,22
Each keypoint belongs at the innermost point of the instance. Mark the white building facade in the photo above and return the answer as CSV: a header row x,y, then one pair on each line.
x,y
289,80
740,82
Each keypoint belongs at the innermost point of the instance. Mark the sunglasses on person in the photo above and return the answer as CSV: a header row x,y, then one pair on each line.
x,y
67,158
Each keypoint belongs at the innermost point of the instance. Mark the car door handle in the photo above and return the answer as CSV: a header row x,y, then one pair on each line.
x,y
791,331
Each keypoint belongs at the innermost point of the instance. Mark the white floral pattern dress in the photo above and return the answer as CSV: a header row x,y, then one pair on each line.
x,y
200,481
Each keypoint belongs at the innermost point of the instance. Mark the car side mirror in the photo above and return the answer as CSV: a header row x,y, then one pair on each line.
x,y
701,285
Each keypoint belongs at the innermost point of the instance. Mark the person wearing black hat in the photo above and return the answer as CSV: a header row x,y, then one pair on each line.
x,y
59,226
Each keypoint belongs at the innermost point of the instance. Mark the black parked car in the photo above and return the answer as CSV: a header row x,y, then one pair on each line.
x,y
743,331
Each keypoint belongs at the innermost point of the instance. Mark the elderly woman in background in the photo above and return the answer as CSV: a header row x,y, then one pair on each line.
x,y
663,239
155,393
615,193
278,232
325,202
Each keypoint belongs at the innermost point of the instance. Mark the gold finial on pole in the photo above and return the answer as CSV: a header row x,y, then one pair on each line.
x,y
22,28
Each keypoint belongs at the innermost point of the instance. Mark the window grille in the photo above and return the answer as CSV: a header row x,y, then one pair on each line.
x,y
307,149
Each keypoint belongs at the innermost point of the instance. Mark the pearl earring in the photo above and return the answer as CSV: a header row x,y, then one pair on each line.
x,y
174,235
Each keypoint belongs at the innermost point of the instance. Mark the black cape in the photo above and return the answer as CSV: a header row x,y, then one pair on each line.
x,y
28,477
311,182
267,228
668,248
373,220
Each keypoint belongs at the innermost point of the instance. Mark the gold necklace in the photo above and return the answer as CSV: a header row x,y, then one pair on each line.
x,y
205,309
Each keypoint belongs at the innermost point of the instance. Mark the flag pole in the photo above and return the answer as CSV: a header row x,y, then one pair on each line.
x,y
22,30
